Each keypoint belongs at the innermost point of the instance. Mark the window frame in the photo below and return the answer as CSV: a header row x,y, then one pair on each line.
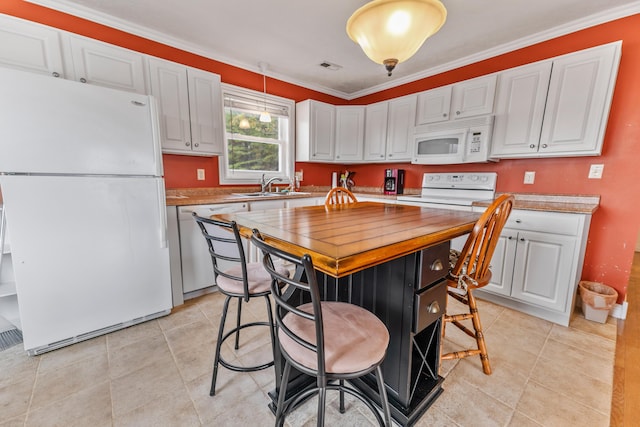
x,y
288,148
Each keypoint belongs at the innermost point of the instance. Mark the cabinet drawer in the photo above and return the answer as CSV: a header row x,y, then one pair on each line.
x,y
546,222
434,265
429,306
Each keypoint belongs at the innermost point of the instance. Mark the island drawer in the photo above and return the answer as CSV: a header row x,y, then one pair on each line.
x,y
434,265
430,304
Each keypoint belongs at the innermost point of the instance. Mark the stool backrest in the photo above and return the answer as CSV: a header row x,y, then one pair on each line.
x,y
339,196
225,244
475,257
305,281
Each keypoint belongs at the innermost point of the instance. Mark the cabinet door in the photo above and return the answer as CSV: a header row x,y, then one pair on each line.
x,y
169,86
542,269
375,131
30,47
434,105
107,65
521,97
578,103
322,132
402,113
502,263
205,111
473,97
349,133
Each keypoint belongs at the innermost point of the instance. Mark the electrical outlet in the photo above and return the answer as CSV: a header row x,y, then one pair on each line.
x,y
529,177
200,174
299,175
595,171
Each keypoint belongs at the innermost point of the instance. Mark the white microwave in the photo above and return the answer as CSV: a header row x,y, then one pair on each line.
x,y
458,141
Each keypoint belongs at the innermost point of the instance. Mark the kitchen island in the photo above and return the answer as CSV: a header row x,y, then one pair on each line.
x,y
390,259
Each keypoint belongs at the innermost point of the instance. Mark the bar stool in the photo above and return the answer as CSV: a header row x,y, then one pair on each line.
x,y
332,341
470,271
241,281
339,196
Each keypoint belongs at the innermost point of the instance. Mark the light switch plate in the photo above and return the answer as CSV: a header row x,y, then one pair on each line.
x,y
529,177
200,174
595,171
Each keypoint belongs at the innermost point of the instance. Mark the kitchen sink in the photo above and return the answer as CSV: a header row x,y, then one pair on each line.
x,y
267,194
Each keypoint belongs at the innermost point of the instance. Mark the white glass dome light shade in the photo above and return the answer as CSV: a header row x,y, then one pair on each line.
x,y
392,31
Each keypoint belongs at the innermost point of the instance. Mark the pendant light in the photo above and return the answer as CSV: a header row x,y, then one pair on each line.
x,y
392,31
265,117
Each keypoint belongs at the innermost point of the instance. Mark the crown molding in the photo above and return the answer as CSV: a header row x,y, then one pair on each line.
x,y
138,30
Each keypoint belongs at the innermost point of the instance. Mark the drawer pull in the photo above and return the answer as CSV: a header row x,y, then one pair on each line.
x,y
433,308
436,265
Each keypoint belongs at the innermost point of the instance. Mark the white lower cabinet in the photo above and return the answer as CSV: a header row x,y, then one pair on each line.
x,y
195,261
8,295
538,262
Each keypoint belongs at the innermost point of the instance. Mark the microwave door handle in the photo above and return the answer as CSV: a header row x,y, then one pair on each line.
x,y
465,143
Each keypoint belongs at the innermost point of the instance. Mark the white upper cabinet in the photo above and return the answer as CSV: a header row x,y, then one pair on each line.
x,y
521,97
315,131
557,107
578,102
434,105
473,97
402,112
106,65
349,133
375,131
190,107
469,98
30,47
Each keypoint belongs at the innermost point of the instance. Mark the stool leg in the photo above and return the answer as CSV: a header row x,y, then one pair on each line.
x,y
322,400
216,359
280,413
342,410
384,401
237,346
475,319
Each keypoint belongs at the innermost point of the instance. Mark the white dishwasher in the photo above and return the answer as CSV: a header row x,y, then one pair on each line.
x,y
197,270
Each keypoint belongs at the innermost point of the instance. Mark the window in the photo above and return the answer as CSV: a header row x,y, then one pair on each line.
x,y
253,148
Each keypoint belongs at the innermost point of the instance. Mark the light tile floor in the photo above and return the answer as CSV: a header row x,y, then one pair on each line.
x,y
158,374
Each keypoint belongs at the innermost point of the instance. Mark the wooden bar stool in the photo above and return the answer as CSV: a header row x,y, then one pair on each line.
x,y
331,341
240,280
339,196
470,270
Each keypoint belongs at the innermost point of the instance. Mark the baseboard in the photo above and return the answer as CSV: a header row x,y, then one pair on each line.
x,y
619,311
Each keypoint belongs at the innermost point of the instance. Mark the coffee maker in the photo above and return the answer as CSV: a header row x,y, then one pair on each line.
x,y
393,181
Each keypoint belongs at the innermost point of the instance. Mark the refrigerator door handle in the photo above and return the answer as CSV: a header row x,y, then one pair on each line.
x,y
155,127
162,210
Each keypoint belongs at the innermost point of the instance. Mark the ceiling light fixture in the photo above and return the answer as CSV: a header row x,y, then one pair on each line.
x,y
265,117
392,31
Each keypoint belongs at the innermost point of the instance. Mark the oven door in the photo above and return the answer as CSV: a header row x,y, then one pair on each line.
x,y
438,148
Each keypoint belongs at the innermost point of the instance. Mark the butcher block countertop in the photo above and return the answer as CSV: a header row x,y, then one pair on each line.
x,y
346,239
583,204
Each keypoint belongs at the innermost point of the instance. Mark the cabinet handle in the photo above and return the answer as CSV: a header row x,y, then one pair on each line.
x,y
433,308
196,144
55,74
187,143
436,265
381,155
457,113
522,239
83,80
510,238
532,146
544,145
444,115
337,157
390,155
518,221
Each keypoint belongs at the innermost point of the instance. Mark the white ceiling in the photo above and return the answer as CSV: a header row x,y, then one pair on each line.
x,y
292,37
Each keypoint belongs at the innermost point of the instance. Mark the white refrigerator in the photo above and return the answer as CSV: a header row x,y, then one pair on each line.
x,y
81,178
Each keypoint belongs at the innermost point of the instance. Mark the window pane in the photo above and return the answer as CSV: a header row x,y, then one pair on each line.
x,y
248,123
253,156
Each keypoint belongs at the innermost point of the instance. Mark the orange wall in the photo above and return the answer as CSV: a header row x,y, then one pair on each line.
x,y
614,226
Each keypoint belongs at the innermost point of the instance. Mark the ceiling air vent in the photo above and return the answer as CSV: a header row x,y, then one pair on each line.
x,y
330,66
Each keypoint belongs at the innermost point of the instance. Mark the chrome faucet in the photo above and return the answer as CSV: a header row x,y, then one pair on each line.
x,y
264,184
